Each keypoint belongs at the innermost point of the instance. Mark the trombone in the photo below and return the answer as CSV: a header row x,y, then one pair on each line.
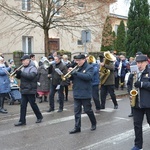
x,y
13,73
68,75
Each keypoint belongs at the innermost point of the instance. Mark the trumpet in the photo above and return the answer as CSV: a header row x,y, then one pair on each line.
x,y
133,92
68,75
13,73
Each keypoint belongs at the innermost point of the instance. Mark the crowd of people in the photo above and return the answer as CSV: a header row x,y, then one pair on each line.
x,y
90,79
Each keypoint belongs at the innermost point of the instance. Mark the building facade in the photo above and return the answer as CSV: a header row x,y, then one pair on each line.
x,y
23,34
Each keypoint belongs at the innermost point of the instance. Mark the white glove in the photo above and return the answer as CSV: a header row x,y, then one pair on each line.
x,y
58,87
38,83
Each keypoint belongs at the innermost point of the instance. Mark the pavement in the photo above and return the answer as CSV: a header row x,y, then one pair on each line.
x,y
44,106
120,93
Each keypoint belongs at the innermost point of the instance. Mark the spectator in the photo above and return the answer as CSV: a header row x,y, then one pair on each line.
x,y
43,58
67,63
12,64
5,84
6,64
120,72
32,57
43,83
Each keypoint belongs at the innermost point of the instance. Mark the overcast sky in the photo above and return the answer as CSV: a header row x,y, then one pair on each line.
x,y
121,7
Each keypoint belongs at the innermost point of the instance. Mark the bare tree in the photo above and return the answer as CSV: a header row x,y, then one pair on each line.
x,y
54,14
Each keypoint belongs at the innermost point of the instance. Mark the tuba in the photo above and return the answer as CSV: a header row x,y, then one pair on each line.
x,y
104,72
47,63
91,59
133,92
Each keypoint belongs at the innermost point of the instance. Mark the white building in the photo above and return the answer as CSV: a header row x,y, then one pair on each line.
x,y
18,34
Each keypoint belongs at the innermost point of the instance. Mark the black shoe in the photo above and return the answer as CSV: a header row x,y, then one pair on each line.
x,y
75,130
19,124
50,110
116,107
4,111
40,99
131,115
93,127
39,120
45,99
66,99
59,110
102,107
97,111
11,103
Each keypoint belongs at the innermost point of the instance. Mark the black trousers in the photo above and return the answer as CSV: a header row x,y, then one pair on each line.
x,y
2,97
66,91
105,89
138,116
53,90
87,109
95,95
23,107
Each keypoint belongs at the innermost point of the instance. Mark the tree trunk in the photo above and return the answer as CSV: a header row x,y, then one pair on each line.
x,y
46,48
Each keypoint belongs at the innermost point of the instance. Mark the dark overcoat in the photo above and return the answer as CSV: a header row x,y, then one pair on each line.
x,y
111,78
82,82
4,80
143,97
28,79
43,79
56,78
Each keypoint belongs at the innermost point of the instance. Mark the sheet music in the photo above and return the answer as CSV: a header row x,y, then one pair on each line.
x,y
58,71
134,69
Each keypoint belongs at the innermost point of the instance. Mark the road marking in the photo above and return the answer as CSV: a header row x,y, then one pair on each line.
x,y
118,99
45,123
122,118
29,115
116,139
107,110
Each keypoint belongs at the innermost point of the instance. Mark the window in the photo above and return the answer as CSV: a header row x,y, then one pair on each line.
x,y
56,7
79,42
115,29
27,44
26,5
80,4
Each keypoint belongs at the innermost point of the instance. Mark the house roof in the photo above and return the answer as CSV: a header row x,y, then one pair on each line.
x,y
118,16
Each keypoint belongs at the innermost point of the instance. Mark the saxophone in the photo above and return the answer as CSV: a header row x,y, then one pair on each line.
x,y
133,92
104,72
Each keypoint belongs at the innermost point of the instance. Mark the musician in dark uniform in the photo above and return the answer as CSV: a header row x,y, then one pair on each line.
x,y
82,92
142,104
108,85
57,84
28,88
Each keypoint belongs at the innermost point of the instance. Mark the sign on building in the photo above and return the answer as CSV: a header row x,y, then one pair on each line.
x,y
86,36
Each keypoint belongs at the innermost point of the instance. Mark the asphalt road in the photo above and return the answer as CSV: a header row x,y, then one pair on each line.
x,y
114,129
